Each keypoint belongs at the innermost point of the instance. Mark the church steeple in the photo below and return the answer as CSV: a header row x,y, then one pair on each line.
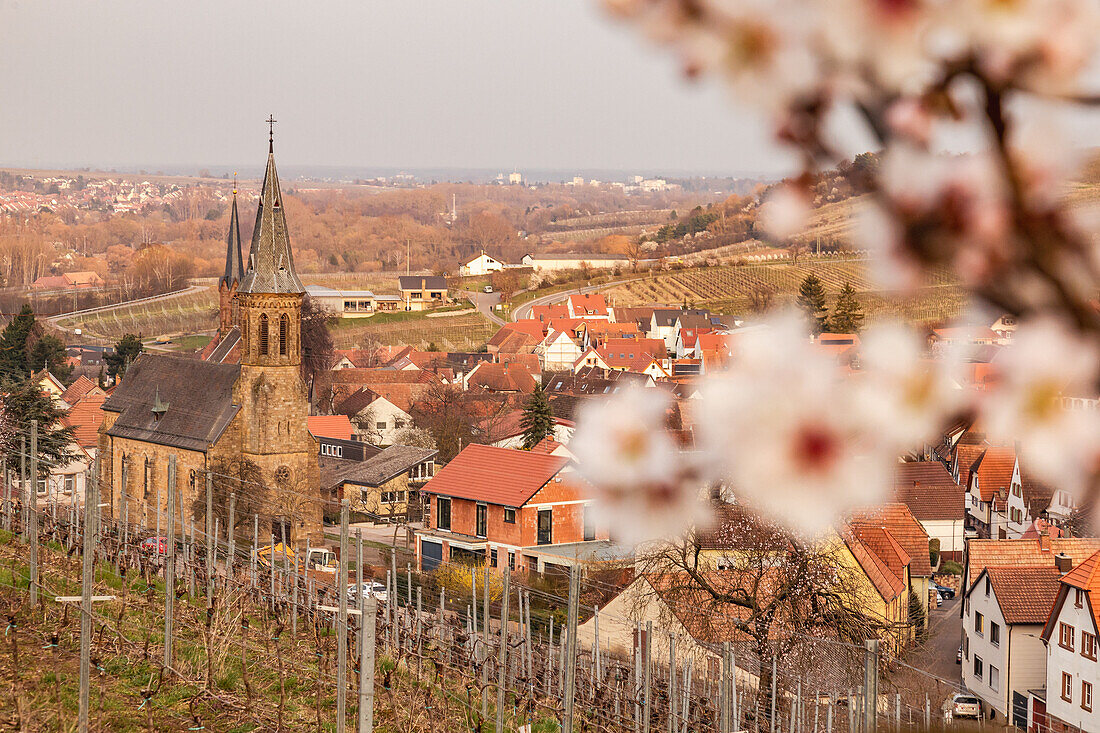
x,y
270,262
234,265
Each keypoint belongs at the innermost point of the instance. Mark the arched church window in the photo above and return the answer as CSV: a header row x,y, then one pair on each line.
x,y
263,334
284,332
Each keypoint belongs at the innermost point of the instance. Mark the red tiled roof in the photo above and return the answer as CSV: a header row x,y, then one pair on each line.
x,y
879,541
502,378
904,528
546,313
632,354
1025,595
84,418
591,304
983,554
75,391
888,585
535,329
330,426
1086,576
495,475
994,469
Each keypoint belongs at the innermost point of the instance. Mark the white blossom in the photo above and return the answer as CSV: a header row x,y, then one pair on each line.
x,y
644,487
783,427
786,211
1047,361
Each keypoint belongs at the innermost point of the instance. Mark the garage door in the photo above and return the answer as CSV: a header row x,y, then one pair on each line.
x,y
431,554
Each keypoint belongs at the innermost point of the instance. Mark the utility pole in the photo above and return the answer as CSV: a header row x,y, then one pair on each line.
x,y
571,648
32,513
342,623
870,686
91,511
170,564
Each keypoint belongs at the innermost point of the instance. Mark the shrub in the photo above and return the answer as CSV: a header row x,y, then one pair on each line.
x,y
951,568
934,552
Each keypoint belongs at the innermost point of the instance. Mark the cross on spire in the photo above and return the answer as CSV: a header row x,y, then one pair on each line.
x,y
271,133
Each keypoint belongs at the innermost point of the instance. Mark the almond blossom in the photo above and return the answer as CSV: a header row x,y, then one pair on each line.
x,y
784,431
644,486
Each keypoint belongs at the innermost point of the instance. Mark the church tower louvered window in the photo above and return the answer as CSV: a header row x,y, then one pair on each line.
x,y
284,333
263,334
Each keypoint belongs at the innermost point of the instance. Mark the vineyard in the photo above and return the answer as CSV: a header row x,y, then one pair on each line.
x,y
730,289
464,332
185,314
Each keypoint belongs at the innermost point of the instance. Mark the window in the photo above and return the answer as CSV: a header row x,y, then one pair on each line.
x,y
1067,687
994,678
263,334
987,585
978,667
979,624
493,557
1078,598
589,524
1088,645
511,560
509,515
443,513
546,521
1086,695
70,483
994,634
284,333
381,425
1065,636
327,449
482,510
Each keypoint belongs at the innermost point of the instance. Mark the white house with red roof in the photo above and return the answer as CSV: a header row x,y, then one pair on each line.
x,y
1072,667
557,352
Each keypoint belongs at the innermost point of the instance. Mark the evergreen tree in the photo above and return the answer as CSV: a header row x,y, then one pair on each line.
x,y
847,313
126,350
25,402
538,419
13,344
49,352
811,300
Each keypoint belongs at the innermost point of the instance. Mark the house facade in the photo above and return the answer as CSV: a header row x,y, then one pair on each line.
x,y
501,506
483,264
421,292
1072,669
1003,653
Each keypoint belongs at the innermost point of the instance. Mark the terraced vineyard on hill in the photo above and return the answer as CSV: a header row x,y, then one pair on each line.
x,y
729,289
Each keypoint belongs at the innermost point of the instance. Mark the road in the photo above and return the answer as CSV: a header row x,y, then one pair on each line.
x,y
55,320
484,303
524,311
937,654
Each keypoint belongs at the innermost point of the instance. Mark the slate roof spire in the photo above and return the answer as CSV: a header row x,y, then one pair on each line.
x,y
234,264
270,262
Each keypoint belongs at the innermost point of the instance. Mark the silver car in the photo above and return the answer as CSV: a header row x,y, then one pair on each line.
x,y
962,705
373,587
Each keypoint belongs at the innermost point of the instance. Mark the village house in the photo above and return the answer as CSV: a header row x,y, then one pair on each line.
x,y
382,483
1003,654
937,502
573,261
421,292
374,418
1072,671
497,505
591,306
995,496
557,352
483,264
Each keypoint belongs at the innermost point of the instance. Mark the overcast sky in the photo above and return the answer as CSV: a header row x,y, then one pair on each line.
x,y
396,83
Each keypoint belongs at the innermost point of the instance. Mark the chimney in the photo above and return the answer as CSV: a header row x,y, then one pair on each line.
x,y
1044,540
1063,562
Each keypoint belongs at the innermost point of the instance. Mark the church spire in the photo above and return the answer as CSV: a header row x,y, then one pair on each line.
x,y
234,265
270,262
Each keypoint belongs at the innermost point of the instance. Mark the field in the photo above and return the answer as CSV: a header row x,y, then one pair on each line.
x,y
464,332
728,289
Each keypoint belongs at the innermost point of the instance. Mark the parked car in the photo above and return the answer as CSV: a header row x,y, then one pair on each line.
x,y
959,655
963,705
939,599
155,546
373,587
944,591
487,289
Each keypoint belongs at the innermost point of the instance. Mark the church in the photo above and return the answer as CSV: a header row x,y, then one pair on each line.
x,y
240,412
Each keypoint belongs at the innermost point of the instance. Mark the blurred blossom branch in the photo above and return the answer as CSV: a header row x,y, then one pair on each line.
x,y
786,430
